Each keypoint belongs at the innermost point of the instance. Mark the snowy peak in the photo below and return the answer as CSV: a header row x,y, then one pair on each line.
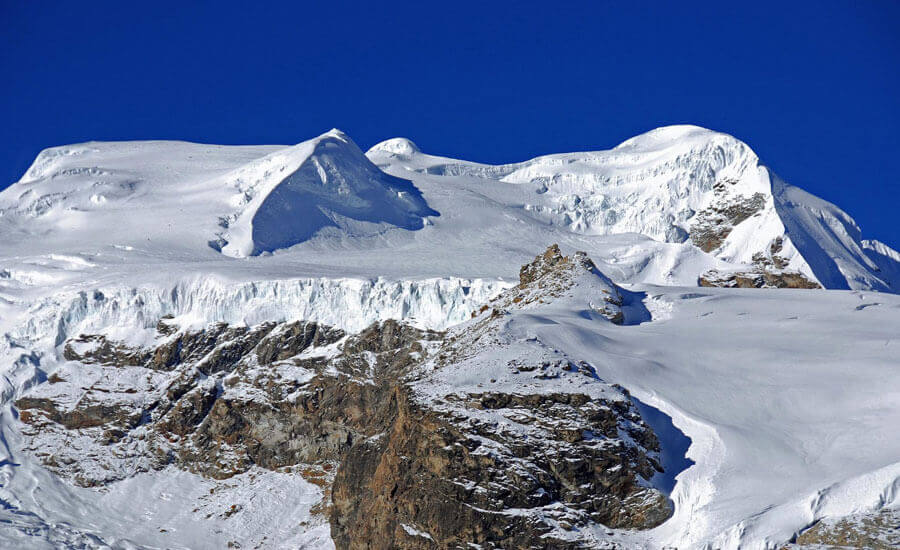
x,y
665,137
95,196
654,184
683,184
325,184
395,146
242,201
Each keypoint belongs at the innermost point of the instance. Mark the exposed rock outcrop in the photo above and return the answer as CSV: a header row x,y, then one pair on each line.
x,y
873,531
551,275
505,467
756,279
769,270
466,480
219,400
713,225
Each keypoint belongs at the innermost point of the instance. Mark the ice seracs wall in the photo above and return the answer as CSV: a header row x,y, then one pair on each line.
x,y
349,304
31,339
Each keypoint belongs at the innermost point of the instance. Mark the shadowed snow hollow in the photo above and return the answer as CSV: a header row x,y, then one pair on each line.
x,y
325,183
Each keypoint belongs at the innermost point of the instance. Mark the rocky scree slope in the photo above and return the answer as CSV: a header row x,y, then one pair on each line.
x,y
421,439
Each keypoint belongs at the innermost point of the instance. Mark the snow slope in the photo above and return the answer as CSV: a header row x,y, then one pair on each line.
x,y
789,399
785,394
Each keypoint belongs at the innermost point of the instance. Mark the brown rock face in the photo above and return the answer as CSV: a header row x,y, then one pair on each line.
x,y
318,423
550,275
436,480
226,404
712,227
462,465
769,270
873,531
542,264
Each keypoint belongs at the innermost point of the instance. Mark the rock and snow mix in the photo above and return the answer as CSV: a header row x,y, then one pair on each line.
x,y
206,345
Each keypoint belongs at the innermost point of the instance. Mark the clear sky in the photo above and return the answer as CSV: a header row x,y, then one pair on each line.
x,y
813,87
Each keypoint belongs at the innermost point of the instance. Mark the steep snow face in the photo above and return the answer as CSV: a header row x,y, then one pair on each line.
x,y
829,240
326,183
887,259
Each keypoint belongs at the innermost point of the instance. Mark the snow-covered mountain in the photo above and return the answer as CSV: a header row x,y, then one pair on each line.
x,y
145,285
701,200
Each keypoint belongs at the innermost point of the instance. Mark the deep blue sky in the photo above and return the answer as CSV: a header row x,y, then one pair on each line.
x,y
813,87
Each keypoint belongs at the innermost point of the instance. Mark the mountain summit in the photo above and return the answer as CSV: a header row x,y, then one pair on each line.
x,y
680,184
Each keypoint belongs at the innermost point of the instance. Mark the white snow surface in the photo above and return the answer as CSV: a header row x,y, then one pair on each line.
x,y
789,397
